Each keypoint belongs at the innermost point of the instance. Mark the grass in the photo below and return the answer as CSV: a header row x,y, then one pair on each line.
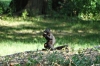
x,y
18,35
11,47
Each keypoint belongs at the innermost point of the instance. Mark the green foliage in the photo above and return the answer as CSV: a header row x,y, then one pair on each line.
x,y
67,8
82,60
49,59
85,60
4,5
76,7
1,8
49,9
32,62
57,58
54,57
24,14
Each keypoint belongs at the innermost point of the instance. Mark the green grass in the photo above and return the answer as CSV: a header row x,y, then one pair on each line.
x,y
10,47
18,35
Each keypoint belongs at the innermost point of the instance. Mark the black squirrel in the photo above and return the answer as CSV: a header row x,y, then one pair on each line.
x,y
50,39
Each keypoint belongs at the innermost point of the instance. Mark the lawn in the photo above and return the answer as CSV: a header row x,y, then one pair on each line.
x,y
19,35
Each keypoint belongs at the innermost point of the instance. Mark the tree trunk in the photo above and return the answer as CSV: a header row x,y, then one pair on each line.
x,y
33,7
36,7
16,6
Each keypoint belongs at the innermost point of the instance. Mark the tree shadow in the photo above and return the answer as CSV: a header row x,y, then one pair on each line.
x,y
19,34
74,31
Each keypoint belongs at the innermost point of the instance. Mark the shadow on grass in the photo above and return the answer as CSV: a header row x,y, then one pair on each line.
x,y
75,31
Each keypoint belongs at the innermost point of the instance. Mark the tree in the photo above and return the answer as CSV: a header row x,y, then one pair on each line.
x,y
36,6
32,6
53,7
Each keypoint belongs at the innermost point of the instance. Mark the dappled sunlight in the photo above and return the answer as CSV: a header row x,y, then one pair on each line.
x,y
18,30
12,23
80,34
24,31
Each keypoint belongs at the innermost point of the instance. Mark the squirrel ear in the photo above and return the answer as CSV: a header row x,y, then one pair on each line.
x,y
47,30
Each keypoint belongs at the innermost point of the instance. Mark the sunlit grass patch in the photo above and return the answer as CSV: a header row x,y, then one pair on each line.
x,y
77,47
9,47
